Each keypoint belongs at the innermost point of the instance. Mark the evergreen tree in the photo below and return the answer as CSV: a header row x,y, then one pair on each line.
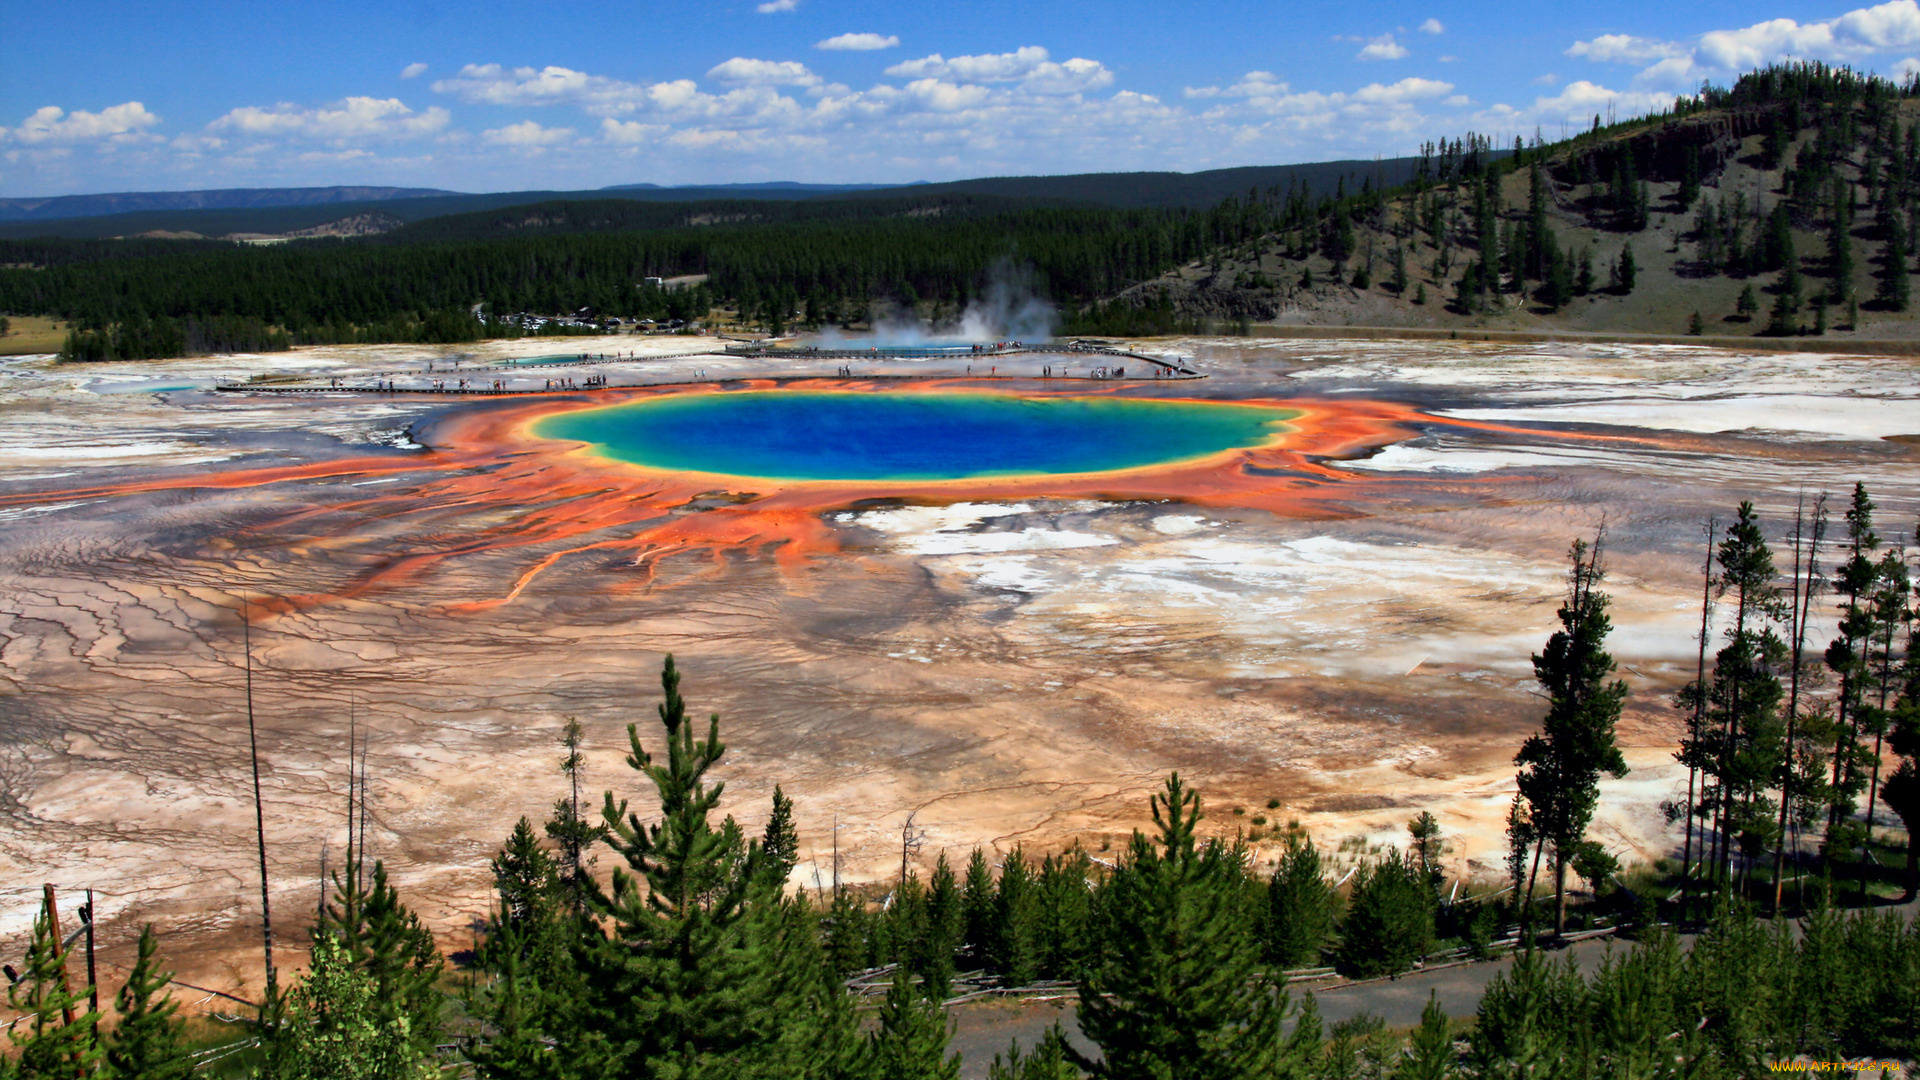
x,y
1050,1060
1016,949
1895,290
691,981
1430,1048
1889,613
946,930
977,910
1626,271
386,942
906,927
518,1012
1741,750
910,1042
1784,319
1846,656
1696,325
1840,246
848,934
528,945
1558,288
1901,789
569,828
525,881
1747,304
1389,923
58,1040
146,1044
1300,907
780,844
1063,909
1561,766
1425,848
1171,990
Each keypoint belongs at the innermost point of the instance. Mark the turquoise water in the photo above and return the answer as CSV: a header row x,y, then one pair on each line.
x,y
825,435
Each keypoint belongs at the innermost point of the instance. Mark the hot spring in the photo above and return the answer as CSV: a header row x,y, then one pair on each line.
x,y
837,435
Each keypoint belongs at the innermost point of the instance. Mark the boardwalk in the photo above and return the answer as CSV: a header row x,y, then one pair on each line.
x,y
482,377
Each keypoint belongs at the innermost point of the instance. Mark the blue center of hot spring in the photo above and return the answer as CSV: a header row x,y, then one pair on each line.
x,y
831,435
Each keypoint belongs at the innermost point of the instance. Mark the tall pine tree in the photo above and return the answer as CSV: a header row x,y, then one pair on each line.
x,y
1172,990
1560,767
146,1044
698,974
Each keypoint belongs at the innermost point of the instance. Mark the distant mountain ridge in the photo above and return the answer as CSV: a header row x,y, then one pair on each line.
x,y
285,211
59,207
1194,191
768,186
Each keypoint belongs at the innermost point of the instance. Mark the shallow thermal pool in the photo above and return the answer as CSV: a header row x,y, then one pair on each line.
x,y
841,435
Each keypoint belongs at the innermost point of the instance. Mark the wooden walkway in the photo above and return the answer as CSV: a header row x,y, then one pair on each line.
x,y
1176,368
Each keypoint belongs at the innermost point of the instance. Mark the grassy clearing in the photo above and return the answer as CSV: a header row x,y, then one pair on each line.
x,y
32,334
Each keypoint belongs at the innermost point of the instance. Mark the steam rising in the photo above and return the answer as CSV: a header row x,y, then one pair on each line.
x,y
1010,309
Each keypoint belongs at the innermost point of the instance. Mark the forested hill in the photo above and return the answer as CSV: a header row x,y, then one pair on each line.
x,y
1787,204
285,210
1193,191
83,206
605,215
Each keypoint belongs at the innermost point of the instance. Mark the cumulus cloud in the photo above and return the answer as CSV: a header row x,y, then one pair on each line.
x,y
772,6
491,84
1853,37
857,42
52,125
1029,65
1624,49
1263,106
741,71
1383,48
527,135
1577,103
351,118
1432,26
413,70
630,132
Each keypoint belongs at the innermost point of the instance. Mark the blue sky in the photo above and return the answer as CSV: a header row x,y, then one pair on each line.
x,y
489,96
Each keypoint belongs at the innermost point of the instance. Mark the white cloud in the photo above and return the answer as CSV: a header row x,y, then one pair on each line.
x,y
857,42
772,6
527,135
1624,49
490,84
1406,90
413,70
741,71
630,132
1577,103
1853,37
1908,68
52,125
1432,26
1549,79
1263,107
351,118
1383,48
1028,65
1675,73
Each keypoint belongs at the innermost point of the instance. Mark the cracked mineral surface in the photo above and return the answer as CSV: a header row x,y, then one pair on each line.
x,y
1343,626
